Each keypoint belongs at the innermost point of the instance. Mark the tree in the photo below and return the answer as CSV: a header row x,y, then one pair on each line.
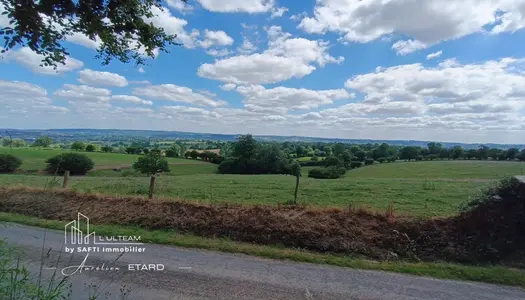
x,y
456,152
187,154
332,161
354,149
409,153
245,148
347,158
175,151
79,146
75,163
9,163
511,153
360,155
133,150
521,156
339,149
124,28
194,154
16,143
494,153
483,152
296,171
91,148
107,148
151,164
471,153
43,141
434,148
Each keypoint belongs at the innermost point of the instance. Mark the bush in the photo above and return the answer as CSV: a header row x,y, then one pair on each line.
x,y
391,159
76,163
356,164
332,172
217,160
381,160
171,153
332,161
91,148
9,163
369,162
318,163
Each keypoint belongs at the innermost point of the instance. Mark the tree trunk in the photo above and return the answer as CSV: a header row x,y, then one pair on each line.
x,y
296,188
66,179
151,187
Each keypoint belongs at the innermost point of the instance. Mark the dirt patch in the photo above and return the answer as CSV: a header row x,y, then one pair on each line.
x,y
492,233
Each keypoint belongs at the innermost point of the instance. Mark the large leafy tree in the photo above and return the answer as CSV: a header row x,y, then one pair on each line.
x,y
122,26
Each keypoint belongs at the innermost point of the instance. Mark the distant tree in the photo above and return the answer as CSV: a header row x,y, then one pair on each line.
x,y
434,148
339,149
296,171
14,143
107,149
494,153
43,141
456,152
332,161
75,163
511,153
471,153
133,150
194,154
299,151
502,155
245,148
483,152
354,149
347,157
9,163
369,161
360,155
91,148
176,150
332,172
145,150
79,146
521,156
187,154
152,164
356,164
424,152
409,153
328,151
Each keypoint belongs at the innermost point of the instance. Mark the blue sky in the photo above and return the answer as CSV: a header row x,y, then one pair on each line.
x,y
445,70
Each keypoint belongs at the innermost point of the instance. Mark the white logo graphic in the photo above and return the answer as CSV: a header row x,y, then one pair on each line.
x,y
73,235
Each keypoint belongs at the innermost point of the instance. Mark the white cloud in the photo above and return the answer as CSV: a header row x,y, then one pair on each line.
x,y
247,47
98,78
83,93
435,54
491,87
82,39
136,110
215,38
408,46
235,6
285,58
180,5
172,92
132,99
425,22
32,61
218,53
228,87
173,25
141,70
188,111
289,98
4,20
278,12
18,97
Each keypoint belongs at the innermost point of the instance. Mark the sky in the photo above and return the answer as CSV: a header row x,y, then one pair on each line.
x,y
434,70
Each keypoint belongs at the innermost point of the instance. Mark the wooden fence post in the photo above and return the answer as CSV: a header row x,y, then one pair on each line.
x,y
66,180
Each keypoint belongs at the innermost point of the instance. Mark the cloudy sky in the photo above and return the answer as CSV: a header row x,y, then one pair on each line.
x,y
445,70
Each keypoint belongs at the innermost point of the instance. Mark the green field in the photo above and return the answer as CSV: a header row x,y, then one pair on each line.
x,y
432,188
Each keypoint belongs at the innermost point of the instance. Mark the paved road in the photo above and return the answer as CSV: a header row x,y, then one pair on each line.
x,y
195,274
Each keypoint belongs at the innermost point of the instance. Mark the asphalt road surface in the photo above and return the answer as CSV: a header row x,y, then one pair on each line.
x,y
196,274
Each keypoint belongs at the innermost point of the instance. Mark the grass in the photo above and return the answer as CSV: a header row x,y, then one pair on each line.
x,y
460,169
415,197
35,159
488,274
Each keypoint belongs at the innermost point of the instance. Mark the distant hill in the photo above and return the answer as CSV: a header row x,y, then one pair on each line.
x,y
113,135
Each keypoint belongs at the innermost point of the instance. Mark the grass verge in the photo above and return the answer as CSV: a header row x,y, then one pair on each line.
x,y
489,274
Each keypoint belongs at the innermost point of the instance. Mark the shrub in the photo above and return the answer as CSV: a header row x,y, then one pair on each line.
x,y
91,148
381,160
369,161
356,164
332,172
9,163
318,163
217,160
332,161
171,153
391,159
76,163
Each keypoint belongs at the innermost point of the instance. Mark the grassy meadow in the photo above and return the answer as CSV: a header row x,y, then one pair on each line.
x,y
429,188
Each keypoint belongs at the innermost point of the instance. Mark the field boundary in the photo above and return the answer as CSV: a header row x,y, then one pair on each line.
x,y
488,274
